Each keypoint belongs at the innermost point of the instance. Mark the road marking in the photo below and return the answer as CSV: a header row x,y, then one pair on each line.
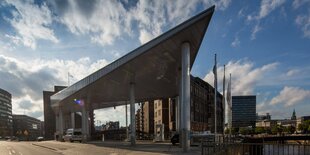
x,y
20,153
13,151
10,153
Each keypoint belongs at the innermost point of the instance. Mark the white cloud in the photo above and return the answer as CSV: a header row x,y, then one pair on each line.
x,y
297,3
106,21
304,22
292,72
255,30
26,80
31,23
220,4
290,96
268,6
244,76
236,42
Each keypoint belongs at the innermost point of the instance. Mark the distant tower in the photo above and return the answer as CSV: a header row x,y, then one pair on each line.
x,y
293,115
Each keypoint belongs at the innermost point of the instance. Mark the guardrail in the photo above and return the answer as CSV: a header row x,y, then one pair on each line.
x,y
212,148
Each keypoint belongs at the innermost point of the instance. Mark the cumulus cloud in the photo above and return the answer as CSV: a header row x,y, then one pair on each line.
x,y
26,80
298,3
255,30
245,76
107,21
266,7
236,42
290,96
303,21
31,22
292,72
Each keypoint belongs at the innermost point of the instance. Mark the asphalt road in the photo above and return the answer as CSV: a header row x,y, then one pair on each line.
x,y
91,148
24,148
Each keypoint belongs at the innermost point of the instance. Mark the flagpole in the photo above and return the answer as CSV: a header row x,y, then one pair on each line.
x,y
215,96
224,110
230,106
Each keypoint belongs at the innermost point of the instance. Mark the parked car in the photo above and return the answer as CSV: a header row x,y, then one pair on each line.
x,y
73,135
40,138
175,139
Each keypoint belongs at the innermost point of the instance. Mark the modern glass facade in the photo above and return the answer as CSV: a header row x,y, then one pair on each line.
x,y
243,111
6,123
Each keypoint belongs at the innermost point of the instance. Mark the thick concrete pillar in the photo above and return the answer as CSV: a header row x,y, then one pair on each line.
x,y
84,123
132,114
127,136
185,98
177,114
60,123
73,120
57,122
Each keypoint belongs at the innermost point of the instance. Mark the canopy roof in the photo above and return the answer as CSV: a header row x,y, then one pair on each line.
x,y
154,68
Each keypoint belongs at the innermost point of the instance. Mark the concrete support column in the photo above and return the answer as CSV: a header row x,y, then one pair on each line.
x,y
84,123
57,122
87,124
73,120
177,114
132,114
185,96
60,123
127,136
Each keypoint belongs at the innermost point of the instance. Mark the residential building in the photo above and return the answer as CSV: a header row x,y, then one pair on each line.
x,y
111,125
267,124
6,124
147,119
139,126
161,115
263,117
49,115
243,111
287,122
26,127
202,107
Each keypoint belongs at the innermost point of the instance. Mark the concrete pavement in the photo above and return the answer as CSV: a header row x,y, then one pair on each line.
x,y
23,148
116,148
91,148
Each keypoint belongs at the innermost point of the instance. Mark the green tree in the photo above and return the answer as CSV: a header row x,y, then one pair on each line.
x,y
274,130
291,129
304,126
300,127
259,130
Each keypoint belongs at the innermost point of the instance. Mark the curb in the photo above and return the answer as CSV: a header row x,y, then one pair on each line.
x,y
44,146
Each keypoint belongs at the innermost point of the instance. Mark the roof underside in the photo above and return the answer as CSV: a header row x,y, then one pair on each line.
x,y
154,68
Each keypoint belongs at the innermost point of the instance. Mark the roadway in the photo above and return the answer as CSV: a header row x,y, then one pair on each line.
x,y
24,148
91,148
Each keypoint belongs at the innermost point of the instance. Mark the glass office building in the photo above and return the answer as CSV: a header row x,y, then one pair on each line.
x,y
6,124
243,111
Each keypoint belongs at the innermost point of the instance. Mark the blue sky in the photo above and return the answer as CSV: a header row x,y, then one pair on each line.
x,y
264,44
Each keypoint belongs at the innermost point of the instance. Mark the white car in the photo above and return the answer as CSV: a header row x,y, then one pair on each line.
x,y
40,138
73,135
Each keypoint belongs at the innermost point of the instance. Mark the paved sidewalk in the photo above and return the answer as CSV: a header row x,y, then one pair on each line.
x,y
115,148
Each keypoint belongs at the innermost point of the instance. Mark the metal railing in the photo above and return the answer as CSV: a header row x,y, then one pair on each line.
x,y
212,148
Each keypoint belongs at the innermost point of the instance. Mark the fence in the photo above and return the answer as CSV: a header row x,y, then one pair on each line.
x,y
211,148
